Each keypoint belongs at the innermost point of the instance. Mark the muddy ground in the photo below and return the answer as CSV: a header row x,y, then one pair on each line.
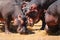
x,y
36,35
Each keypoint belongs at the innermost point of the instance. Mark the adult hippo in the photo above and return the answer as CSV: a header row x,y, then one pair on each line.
x,y
52,18
10,9
36,10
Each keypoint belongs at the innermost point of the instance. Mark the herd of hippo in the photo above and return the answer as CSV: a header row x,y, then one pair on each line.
x,y
30,12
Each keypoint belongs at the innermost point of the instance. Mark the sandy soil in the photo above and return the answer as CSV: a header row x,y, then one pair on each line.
x,y
37,35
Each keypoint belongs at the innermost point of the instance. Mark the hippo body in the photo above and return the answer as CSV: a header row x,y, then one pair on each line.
x,y
52,18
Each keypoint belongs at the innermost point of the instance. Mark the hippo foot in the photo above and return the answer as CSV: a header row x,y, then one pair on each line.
x,y
7,32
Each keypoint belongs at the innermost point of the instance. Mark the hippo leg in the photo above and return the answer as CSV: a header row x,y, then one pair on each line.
x,y
43,22
7,25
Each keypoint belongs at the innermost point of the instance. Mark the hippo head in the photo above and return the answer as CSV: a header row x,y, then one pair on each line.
x,y
33,14
20,24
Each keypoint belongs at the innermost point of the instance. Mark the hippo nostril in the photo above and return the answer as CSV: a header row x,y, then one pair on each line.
x,y
21,30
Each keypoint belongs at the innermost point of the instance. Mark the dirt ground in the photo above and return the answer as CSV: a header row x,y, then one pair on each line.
x,y
37,35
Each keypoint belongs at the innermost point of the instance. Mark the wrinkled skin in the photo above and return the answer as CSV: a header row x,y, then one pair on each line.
x,y
11,9
52,18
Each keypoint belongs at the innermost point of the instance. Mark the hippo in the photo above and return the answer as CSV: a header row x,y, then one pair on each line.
x,y
52,18
11,10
